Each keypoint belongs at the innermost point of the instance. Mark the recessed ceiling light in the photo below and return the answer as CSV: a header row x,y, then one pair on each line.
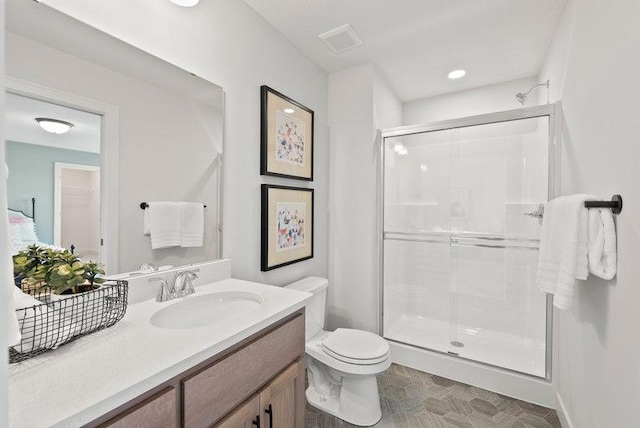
x,y
289,110
456,74
185,3
54,126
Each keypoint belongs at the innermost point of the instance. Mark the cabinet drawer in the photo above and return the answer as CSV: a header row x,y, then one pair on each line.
x,y
213,392
159,411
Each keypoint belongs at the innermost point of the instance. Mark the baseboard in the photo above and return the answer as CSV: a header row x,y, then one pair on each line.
x,y
563,415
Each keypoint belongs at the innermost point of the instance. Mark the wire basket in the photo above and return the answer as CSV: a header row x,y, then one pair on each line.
x,y
61,319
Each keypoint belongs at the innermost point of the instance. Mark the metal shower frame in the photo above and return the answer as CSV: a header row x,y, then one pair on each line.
x,y
553,112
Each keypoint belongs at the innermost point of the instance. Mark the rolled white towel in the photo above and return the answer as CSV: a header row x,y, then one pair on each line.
x,y
41,327
33,319
602,243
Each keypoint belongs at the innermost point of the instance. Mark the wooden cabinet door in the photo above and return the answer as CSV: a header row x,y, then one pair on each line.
x,y
159,411
245,416
213,392
282,400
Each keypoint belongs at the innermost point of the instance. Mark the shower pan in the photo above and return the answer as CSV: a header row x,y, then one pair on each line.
x,y
460,235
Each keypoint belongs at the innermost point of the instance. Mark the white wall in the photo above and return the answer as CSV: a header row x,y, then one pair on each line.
x,y
594,64
360,103
226,42
486,99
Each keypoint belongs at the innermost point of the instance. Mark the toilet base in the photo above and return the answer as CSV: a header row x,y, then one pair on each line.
x,y
356,402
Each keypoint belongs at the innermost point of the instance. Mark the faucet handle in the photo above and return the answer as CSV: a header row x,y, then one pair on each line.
x,y
164,293
163,282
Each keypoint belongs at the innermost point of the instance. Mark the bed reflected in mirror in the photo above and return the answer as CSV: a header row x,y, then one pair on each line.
x,y
53,188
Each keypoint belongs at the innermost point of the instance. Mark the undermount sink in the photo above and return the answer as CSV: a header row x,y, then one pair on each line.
x,y
206,309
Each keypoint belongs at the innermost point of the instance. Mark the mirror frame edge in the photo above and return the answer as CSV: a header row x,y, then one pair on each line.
x,y
109,151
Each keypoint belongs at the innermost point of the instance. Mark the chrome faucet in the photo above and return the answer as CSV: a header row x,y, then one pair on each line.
x,y
165,292
169,291
185,280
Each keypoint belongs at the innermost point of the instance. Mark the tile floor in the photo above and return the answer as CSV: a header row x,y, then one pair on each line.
x,y
413,399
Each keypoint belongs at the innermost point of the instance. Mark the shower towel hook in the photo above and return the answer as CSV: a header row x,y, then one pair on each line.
x,y
615,204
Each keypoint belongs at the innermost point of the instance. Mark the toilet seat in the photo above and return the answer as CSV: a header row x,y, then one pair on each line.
x,y
356,346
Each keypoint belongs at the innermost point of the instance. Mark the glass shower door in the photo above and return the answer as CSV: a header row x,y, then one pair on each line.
x,y
460,256
416,240
499,172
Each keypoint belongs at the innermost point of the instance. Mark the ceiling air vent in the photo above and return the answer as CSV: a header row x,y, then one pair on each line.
x,y
342,38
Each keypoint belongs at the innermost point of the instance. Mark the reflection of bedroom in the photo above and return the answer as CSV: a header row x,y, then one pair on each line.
x,y
53,189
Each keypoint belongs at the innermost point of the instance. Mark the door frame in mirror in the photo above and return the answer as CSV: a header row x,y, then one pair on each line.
x,y
109,147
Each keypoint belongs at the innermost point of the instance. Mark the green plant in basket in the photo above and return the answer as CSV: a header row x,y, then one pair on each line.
x,y
58,270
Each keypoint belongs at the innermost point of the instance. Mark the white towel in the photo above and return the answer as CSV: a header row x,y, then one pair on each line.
x,y
6,270
192,224
563,248
146,227
36,325
13,328
165,224
602,243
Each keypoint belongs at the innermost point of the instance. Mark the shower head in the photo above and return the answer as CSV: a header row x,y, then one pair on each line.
x,y
522,96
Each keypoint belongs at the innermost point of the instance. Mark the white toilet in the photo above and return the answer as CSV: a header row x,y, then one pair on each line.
x,y
342,365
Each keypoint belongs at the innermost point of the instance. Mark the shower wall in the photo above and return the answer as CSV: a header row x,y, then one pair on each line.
x,y
459,255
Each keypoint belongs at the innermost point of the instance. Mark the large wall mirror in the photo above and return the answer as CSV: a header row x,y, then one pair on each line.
x,y
143,130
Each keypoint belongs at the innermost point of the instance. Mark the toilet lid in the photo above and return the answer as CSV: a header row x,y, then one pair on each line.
x,y
356,346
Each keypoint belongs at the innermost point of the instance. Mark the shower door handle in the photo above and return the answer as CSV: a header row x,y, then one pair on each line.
x,y
537,213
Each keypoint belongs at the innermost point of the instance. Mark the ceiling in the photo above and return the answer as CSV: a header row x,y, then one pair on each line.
x,y
21,127
415,43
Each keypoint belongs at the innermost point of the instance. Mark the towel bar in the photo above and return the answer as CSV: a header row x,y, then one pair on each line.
x,y
144,205
615,204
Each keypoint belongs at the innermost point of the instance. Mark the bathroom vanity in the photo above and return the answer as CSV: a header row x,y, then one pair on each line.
x,y
135,374
267,367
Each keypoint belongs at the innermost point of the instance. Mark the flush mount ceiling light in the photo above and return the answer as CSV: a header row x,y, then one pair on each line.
x,y
185,3
54,126
288,110
456,74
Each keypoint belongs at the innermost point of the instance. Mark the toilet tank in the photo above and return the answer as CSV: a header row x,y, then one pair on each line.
x,y
316,306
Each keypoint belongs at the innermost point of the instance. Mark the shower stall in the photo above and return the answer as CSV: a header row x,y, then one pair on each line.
x,y
460,235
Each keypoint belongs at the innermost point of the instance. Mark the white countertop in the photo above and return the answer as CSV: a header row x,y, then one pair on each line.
x,y
84,379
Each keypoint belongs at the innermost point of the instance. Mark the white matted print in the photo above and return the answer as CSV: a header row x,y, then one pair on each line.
x,y
287,225
290,134
291,227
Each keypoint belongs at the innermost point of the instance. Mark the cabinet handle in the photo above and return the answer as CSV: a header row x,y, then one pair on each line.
x,y
257,421
269,411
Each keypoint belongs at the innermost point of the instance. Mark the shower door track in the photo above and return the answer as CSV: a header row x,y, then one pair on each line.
x,y
470,360
552,111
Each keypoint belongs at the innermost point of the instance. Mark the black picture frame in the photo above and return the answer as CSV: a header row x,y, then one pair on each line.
x,y
286,136
286,225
